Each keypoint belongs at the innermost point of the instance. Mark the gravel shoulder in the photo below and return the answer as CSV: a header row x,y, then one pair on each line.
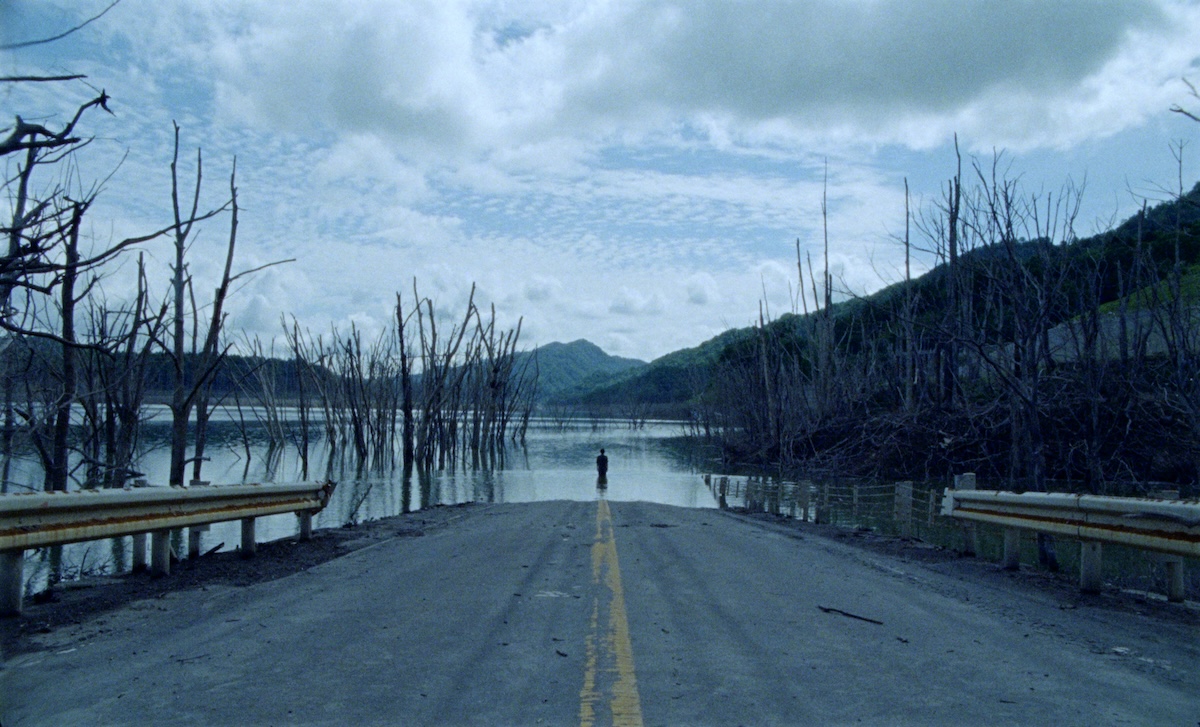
x,y
1062,587
1142,627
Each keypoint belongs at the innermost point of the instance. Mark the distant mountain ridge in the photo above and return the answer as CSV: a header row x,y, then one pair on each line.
x,y
670,379
576,366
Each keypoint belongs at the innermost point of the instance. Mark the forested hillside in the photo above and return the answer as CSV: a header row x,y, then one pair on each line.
x,y
1026,354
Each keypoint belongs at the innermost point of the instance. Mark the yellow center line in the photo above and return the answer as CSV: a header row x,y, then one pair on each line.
x,y
608,672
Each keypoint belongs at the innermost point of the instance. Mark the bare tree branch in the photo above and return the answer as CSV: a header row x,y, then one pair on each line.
x,y
24,135
40,79
64,34
1180,110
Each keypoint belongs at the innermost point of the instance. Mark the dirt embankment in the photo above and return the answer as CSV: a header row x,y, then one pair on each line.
x,y
73,602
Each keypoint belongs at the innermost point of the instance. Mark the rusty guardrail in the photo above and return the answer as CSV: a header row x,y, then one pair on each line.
x,y
1165,526
58,518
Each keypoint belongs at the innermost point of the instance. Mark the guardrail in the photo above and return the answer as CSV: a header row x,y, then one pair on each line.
x,y
58,518
1165,526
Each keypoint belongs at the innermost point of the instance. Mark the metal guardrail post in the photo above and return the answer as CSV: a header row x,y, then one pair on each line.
x,y
249,544
306,519
193,533
1175,586
904,507
193,542
966,481
160,552
1175,589
1090,562
139,552
12,581
1012,549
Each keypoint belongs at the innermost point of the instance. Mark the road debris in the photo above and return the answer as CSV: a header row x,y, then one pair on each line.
x,y
847,614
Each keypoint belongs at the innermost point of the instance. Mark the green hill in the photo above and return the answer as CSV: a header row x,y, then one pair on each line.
x,y
578,365
671,379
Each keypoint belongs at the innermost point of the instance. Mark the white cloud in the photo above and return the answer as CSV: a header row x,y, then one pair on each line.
x,y
702,290
541,288
363,160
442,77
632,172
399,69
630,302
881,69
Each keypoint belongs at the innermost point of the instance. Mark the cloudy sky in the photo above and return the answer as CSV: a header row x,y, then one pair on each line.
x,y
634,173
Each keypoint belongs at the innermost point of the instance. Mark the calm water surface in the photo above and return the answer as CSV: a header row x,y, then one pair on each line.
x,y
655,463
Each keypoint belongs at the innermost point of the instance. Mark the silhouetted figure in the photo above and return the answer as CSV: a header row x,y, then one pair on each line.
x,y
602,470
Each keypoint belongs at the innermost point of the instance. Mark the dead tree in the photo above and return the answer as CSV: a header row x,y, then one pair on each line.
x,y
187,382
113,382
406,384
1028,297
194,370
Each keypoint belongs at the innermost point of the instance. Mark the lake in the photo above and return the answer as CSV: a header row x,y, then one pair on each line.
x,y
654,463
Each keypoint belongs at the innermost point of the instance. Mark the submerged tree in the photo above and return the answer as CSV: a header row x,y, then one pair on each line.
x,y
195,369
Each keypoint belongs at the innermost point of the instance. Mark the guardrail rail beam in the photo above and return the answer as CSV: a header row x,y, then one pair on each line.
x,y
1164,526
57,518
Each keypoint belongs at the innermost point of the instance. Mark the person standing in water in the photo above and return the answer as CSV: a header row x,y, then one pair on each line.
x,y
602,468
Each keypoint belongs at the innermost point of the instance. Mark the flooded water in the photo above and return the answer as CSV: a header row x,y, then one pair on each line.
x,y
655,463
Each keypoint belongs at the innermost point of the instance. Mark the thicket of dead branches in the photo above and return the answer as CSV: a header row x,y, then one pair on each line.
x,y
1037,360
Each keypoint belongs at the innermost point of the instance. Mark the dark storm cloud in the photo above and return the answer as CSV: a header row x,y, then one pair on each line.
x,y
828,59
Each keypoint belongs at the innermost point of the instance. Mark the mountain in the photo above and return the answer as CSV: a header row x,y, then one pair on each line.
x,y
576,366
671,379
581,364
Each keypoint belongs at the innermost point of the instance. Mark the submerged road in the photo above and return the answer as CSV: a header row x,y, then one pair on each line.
x,y
582,613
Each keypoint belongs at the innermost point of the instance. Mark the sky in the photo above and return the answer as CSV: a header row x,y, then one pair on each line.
x,y
635,173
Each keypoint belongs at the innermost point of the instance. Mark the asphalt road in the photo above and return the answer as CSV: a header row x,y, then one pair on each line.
x,y
568,613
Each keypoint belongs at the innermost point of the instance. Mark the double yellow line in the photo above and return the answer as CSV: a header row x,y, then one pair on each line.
x,y
608,678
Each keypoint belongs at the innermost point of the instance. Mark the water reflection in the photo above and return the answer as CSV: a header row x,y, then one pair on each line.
x,y
653,464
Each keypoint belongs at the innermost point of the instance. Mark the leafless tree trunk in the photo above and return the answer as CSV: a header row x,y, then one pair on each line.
x,y
57,468
193,373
